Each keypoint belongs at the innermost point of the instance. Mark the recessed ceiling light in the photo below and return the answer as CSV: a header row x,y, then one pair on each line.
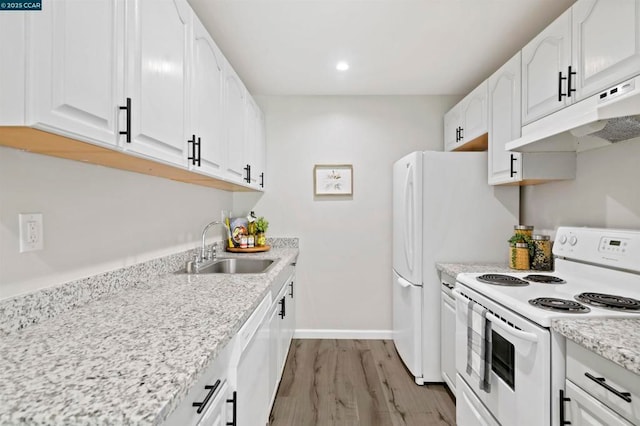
x,y
342,66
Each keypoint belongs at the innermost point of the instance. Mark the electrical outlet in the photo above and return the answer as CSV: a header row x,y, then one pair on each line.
x,y
31,232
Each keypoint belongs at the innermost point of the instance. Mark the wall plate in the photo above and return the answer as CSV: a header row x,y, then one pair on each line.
x,y
31,232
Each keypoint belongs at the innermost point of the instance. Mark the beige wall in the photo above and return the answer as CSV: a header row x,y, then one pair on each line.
x,y
605,193
344,269
95,219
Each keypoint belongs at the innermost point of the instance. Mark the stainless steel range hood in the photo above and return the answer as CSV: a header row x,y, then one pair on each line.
x,y
610,116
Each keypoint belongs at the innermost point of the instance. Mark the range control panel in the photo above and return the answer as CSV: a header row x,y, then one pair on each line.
x,y
607,247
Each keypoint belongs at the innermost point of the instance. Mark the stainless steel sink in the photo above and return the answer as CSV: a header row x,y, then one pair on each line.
x,y
235,266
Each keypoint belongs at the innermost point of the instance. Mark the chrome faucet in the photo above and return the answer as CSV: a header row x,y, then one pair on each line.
x,y
210,254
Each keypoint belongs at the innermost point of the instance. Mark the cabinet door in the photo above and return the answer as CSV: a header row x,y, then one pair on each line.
x,y
206,102
289,319
606,44
216,414
504,123
235,115
253,135
474,114
451,124
547,55
585,410
447,340
157,78
78,82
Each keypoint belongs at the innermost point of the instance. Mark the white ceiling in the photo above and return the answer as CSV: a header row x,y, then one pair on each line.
x,y
394,47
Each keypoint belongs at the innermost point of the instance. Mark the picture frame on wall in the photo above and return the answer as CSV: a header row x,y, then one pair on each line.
x,y
333,179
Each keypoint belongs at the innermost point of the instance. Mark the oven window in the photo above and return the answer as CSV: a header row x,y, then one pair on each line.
x,y
503,359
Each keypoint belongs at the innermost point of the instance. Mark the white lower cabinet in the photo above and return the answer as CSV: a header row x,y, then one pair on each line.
x,y
598,391
211,401
262,347
448,332
583,409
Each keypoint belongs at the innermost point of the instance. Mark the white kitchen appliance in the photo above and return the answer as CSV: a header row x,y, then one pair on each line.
x,y
443,210
597,274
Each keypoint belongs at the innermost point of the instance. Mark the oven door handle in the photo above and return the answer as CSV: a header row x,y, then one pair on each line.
x,y
524,335
498,323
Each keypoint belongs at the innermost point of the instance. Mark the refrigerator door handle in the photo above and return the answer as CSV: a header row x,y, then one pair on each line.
x,y
409,220
403,283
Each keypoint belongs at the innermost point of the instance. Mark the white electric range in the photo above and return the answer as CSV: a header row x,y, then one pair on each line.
x,y
597,274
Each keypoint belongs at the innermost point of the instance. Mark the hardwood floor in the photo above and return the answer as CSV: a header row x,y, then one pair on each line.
x,y
355,383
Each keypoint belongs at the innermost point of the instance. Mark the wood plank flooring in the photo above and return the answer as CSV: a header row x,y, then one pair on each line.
x,y
355,383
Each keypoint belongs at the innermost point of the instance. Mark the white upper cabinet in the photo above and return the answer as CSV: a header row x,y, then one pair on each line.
x,y
451,128
235,113
606,44
159,35
466,121
77,80
474,114
545,64
255,143
589,48
507,167
504,122
207,152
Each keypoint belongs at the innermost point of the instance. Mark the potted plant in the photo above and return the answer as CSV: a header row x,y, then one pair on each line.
x,y
521,250
261,228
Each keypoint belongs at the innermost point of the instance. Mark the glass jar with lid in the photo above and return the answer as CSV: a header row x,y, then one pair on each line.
x,y
523,230
541,260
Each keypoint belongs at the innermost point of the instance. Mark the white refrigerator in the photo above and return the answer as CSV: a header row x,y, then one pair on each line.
x,y
443,211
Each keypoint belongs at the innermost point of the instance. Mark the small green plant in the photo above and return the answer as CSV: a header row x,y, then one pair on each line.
x,y
262,224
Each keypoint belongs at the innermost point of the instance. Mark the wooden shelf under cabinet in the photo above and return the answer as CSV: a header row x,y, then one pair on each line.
x,y
481,143
41,142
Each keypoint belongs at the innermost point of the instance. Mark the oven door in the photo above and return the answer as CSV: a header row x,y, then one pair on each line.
x,y
520,379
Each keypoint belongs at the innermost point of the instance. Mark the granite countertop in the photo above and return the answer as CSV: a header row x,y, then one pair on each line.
x,y
129,358
454,269
617,340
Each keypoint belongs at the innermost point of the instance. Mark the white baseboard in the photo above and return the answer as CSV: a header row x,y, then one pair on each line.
x,y
344,334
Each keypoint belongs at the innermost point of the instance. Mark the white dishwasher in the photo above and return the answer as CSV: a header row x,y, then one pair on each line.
x,y
253,368
448,331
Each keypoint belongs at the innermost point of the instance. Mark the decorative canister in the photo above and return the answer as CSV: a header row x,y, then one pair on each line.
x,y
541,253
523,230
519,256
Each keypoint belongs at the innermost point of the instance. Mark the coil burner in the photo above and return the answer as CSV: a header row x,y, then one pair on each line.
x,y
610,301
500,279
545,279
559,305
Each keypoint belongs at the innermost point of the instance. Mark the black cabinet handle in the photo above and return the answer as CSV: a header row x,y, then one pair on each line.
x,y
248,170
563,399
127,108
461,133
282,307
291,288
513,170
195,150
212,390
262,180
234,401
198,145
560,79
602,382
457,134
569,89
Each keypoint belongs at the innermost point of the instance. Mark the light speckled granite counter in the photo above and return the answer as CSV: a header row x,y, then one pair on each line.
x,y
129,357
454,269
617,340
